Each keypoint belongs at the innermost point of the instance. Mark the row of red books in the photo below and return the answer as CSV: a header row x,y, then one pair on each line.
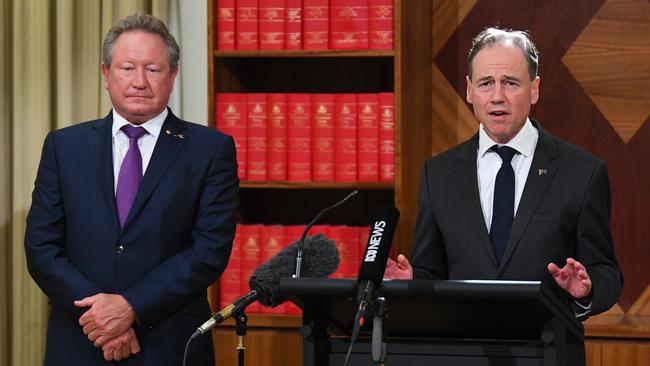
x,y
311,137
255,244
304,24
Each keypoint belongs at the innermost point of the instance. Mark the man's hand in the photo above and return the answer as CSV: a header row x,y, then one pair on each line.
x,y
109,316
400,270
121,346
573,278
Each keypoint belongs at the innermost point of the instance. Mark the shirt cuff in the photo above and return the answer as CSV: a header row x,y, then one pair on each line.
x,y
582,307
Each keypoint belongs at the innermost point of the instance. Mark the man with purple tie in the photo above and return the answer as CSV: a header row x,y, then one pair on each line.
x,y
132,216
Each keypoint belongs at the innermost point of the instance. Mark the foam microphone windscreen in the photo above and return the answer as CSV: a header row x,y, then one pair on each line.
x,y
320,258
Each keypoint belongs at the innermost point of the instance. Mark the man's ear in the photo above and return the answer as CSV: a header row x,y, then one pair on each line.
x,y
534,90
105,73
468,93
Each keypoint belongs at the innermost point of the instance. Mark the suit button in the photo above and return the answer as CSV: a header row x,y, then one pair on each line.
x,y
121,249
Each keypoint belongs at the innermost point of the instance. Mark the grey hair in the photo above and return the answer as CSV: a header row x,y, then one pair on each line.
x,y
145,23
505,37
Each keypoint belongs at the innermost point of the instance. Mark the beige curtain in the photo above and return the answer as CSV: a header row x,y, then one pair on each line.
x,y
50,78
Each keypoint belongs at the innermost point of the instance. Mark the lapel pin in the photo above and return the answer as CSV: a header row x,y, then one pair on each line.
x,y
168,132
542,171
180,135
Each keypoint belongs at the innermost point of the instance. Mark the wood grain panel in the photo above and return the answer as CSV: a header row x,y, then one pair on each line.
x,y
610,60
619,354
593,351
264,347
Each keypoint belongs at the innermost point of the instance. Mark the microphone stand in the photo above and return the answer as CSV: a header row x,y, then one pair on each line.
x,y
240,329
309,226
379,331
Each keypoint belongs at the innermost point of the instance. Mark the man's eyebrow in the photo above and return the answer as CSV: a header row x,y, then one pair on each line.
x,y
484,78
511,78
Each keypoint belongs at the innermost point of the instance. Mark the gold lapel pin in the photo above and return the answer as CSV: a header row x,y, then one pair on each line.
x,y
542,171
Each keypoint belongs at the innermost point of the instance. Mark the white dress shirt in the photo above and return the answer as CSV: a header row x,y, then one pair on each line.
x,y
488,163
146,143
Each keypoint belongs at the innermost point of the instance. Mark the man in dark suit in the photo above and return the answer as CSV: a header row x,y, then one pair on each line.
x,y
554,225
132,216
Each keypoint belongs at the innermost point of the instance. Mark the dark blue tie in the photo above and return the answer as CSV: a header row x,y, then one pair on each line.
x,y
504,201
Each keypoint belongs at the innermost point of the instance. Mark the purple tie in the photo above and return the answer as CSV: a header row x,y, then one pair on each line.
x,y
130,173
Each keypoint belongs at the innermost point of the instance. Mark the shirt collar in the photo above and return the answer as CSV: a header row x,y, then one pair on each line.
x,y
524,141
152,126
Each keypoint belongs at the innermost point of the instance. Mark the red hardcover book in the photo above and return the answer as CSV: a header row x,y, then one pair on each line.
x,y
349,24
272,24
230,280
349,250
315,26
271,243
334,232
276,137
299,137
380,24
232,120
293,25
256,106
322,133
292,234
364,234
319,229
386,137
250,260
225,24
246,24
345,137
368,137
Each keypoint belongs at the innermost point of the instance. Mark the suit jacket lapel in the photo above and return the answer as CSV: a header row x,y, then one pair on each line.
x,y
169,143
100,150
468,185
541,173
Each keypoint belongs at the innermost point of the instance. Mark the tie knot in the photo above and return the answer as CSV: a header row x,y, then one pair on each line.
x,y
505,152
133,132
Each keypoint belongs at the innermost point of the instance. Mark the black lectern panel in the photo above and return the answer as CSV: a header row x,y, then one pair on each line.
x,y
469,322
433,309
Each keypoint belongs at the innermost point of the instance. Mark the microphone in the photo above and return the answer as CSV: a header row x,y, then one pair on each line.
x,y
265,281
309,226
225,313
323,260
373,264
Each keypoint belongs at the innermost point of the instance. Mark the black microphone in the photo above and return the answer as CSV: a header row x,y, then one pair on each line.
x,y
304,233
265,281
373,263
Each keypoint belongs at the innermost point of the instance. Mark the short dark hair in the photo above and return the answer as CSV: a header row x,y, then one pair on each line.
x,y
145,23
505,37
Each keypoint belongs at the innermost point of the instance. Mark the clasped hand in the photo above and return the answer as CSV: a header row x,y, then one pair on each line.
x,y
108,324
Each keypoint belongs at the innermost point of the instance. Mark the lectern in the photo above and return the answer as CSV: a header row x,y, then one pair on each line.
x,y
491,323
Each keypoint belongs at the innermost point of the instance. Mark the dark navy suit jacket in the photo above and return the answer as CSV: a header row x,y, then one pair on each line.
x,y
174,244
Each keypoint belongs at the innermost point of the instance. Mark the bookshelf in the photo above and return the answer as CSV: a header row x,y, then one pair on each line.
x,y
405,71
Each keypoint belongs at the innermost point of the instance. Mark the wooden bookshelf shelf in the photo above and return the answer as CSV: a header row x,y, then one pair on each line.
x,y
315,185
268,321
306,53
